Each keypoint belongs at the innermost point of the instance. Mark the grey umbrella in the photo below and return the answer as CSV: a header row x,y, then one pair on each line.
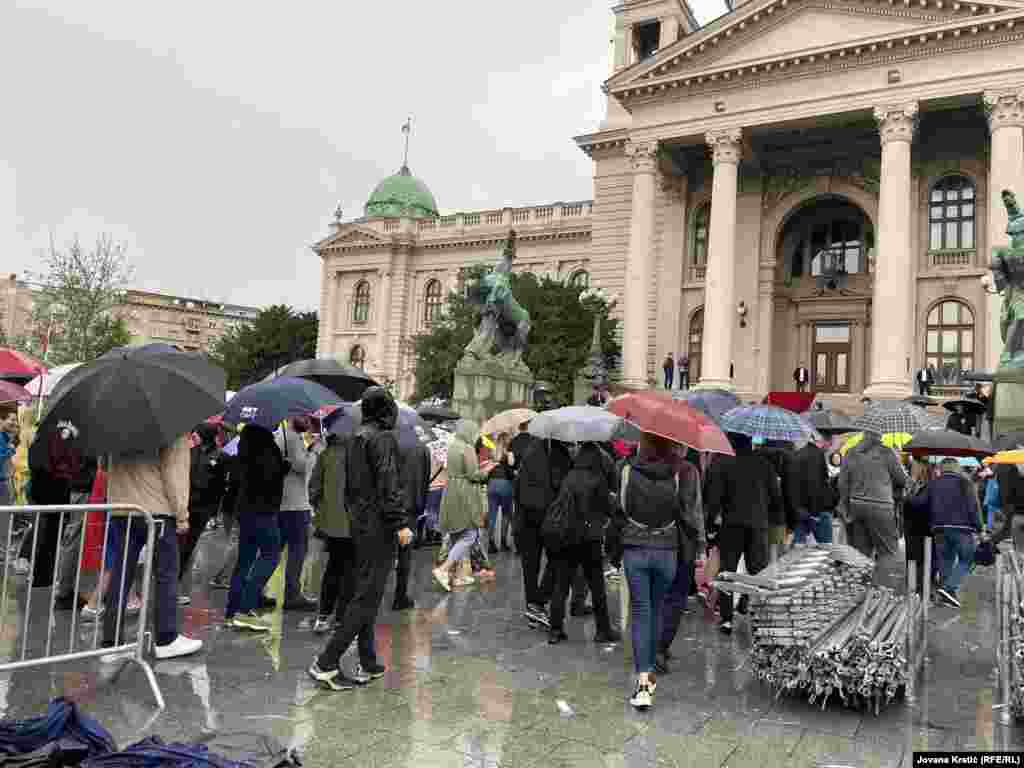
x,y
577,424
829,422
346,381
886,416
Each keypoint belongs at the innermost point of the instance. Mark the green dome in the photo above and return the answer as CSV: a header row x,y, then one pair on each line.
x,y
401,195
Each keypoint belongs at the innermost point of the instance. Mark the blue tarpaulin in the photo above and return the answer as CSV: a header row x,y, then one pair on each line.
x,y
154,753
62,721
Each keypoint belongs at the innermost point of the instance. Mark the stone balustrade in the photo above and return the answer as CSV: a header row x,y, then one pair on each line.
x,y
959,259
697,273
539,215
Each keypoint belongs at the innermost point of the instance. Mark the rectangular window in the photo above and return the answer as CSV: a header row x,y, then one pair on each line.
x,y
952,194
841,369
936,195
967,362
936,211
968,193
950,342
933,342
820,369
935,242
966,234
951,239
950,313
838,333
967,210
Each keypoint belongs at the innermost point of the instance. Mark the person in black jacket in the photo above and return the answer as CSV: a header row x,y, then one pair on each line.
x,y
261,472
779,454
815,500
587,481
378,517
540,475
743,491
206,489
228,520
415,484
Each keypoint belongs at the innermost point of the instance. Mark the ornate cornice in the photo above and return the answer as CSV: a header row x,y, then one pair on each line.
x,y
1005,107
726,145
643,155
490,241
896,122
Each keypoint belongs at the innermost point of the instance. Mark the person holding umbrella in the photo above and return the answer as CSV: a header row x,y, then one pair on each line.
x,y
294,518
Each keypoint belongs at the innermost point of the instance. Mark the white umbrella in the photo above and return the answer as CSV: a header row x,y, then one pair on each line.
x,y
44,384
577,424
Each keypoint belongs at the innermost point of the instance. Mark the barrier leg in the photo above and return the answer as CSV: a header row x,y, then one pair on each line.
x,y
147,582
911,649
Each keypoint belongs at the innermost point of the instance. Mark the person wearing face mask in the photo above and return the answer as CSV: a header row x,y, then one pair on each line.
x,y
295,517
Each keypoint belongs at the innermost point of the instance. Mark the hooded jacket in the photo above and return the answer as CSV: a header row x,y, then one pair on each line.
x,y
783,461
813,491
587,481
540,475
463,505
415,478
872,474
327,486
374,489
744,489
645,503
952,501
261,472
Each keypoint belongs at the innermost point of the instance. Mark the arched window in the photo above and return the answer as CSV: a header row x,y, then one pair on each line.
x,y
951,215
701,228
432,303
580,279
357,356
361,305
949,343
696,342
828,238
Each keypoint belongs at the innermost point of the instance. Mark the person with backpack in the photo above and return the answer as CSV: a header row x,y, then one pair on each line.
x,y
650,516
206,489
580,512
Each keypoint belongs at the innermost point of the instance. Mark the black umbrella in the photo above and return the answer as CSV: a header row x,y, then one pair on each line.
x,y
437,413
134,401
829,422
946,442
346,381
967,404
920,400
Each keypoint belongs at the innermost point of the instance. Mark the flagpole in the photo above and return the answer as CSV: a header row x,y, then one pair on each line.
x,y
406,129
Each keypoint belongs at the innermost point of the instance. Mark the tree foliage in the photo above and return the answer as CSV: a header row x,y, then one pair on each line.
x,y
561,331
72,318
277,336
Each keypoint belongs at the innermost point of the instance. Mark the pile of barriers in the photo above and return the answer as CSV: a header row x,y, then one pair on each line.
x,y
1010,648
822,631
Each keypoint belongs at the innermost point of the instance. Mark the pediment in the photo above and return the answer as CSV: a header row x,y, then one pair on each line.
x,y
353,234
766,30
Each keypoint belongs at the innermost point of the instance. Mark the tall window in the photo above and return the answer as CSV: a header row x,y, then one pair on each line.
x,y
951,215
696,343
361,305
432,303
580,279
701,227
357,356
950,337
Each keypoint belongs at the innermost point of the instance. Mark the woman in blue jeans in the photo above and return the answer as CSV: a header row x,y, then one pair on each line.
x,y
261,472
652,514
500,493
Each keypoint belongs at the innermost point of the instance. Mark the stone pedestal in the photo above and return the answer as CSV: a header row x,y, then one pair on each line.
x,y
484,388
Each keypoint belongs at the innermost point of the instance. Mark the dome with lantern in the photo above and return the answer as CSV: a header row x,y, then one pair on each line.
x,y
401,195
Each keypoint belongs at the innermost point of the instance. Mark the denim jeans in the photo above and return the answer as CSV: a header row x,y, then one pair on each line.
x,y
820,527
674,605
259,549
433,516
650,573
957,557
499,496
293,526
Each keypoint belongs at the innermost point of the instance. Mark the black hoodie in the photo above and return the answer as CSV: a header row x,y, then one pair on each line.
x,y
261,472
588,482
743,489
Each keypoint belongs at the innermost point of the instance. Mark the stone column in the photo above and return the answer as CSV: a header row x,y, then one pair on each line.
x,y
383,323
639,266
670,275
719,282
1005,110
857,354
893,301
765,322
328,315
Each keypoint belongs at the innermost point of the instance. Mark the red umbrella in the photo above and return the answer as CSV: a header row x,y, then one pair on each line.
x,y
12,393
659,414
18,365
797,402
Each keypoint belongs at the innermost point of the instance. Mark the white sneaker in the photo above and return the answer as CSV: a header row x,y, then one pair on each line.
x,y
116,658
182,646
442,577
184,600
91,614
643,696
21,566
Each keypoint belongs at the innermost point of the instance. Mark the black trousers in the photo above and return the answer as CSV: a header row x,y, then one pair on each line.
x,y
737,541
531,544
373,556
198,517
585,557
801,386
338,588
402,571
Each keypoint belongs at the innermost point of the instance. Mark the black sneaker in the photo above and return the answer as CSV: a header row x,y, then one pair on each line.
x,y
335,679
374,671
537,615
581,610
607,636
556,636
661,664
301,603
725,627
402,604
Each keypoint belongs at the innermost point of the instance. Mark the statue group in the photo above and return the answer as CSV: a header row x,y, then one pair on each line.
x,y
1008,278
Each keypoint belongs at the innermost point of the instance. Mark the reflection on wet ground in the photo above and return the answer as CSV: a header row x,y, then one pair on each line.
x,y
470,684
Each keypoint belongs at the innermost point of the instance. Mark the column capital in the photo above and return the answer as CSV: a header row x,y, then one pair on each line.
x,y
1004,107
726,145
672,186
643,154
896,122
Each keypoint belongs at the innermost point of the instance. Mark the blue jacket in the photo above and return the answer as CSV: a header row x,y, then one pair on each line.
x,y
952,502
6,452
993,503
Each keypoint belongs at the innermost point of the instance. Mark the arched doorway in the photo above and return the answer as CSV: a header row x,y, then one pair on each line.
x,y
823,289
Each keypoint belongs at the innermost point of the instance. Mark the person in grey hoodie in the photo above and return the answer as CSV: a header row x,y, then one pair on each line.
x,y
294,518
870,482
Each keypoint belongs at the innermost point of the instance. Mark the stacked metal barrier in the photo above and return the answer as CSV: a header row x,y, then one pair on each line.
x,y
821,630
1010,650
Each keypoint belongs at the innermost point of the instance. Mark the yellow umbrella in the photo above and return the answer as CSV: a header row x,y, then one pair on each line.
x,y
890,440
1006,457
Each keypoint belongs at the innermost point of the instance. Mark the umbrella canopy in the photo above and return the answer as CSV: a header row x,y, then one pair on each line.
x,y
1015,456
437,413
231,448
885,416
576,424
919,400
967,404
894,440
676,420
797,402
13,393
341,420
44,384
134,402
713,403
507,421
768,422
17,366
346,381
946,442
829,422
270,402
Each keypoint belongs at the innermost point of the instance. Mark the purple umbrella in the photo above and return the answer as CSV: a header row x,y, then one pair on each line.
x,y
713,403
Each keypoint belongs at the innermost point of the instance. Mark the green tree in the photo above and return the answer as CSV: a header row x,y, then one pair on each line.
x,y
72,319
561,330
277,336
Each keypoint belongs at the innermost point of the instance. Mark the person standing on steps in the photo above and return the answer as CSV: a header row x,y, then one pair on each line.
x,y
801,376
374,500
684,372
294,518
669,367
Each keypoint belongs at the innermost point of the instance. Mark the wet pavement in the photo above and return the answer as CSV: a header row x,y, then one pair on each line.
x,y
470,684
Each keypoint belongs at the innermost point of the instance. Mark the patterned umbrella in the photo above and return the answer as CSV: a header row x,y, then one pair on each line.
x,y
713,403
883,417
768,422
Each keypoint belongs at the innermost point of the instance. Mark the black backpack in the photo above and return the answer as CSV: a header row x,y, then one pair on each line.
x,y
557,528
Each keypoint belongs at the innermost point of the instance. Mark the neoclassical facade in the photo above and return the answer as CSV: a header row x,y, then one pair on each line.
x,y
385,275
808,181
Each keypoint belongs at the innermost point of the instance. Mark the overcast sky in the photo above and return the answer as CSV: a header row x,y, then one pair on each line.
x,y
216,138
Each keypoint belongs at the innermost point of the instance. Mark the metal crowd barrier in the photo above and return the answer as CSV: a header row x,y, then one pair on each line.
x,y
122,645
1008,566
917,635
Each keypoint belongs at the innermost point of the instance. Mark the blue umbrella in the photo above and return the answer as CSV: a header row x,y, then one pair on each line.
x,y
713,403
769,422
409,429
268,403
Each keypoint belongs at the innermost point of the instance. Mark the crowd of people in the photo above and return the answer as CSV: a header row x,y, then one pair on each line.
x,y
654,511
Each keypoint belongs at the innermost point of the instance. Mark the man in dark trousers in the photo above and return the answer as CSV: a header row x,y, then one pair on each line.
x,y
376,505
815,499
684,372
925,379
415,484
669,367
801,376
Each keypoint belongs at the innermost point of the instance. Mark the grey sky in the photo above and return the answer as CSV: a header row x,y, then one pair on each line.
x,y
216,138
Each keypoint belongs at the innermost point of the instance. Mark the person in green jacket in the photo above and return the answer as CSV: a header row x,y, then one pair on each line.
x,y
462,509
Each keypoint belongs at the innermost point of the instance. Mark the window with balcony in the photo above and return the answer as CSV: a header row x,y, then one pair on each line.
x,y
361,303
951,213
433,301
